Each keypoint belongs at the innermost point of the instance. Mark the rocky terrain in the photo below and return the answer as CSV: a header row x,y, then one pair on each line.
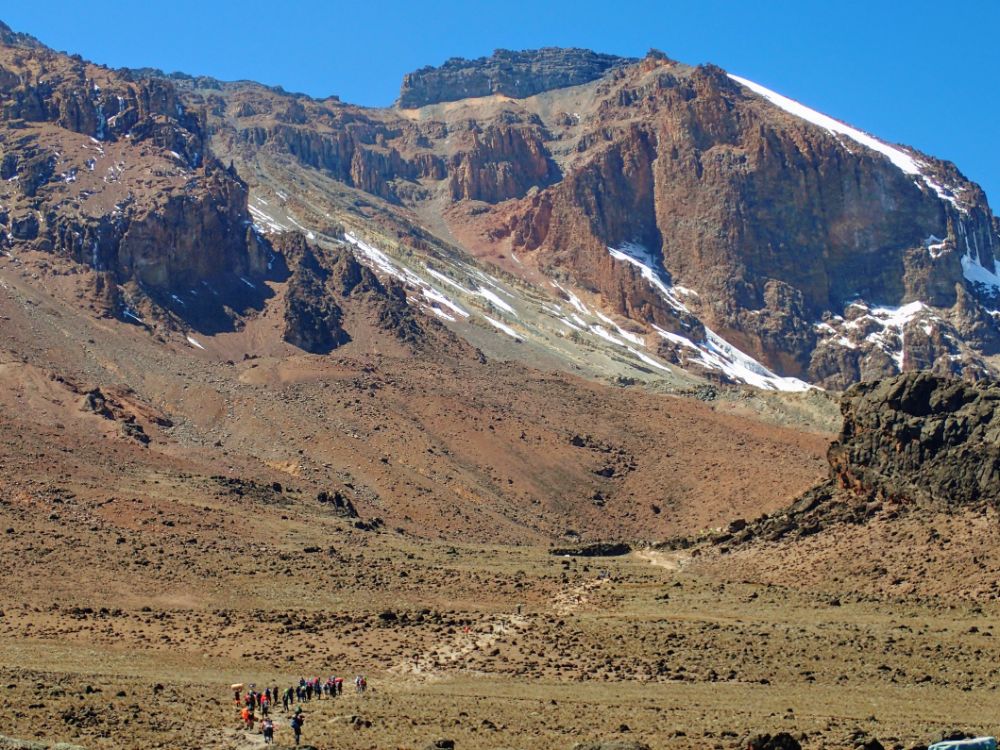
x,y
505,72
728,229
500,401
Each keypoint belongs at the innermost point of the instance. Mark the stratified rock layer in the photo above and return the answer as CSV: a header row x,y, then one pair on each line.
x,y
514,74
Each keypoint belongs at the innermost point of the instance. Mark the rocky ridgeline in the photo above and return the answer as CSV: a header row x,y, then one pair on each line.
x,y
513,74
776,224
113,172
912,441
326,286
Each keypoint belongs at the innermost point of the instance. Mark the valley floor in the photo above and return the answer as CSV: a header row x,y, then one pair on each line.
x,y
574,650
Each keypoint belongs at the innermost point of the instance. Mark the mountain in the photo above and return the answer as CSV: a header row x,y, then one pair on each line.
x,y
628,217
293,387
718,225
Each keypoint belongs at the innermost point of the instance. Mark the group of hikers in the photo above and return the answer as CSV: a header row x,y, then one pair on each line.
x,y
265,701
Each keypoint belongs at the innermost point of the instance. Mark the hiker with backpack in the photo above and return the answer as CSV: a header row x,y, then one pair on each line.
x,y
296,724
268,730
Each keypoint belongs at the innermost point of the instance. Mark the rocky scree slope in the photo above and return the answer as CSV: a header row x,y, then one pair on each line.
x,y
738,230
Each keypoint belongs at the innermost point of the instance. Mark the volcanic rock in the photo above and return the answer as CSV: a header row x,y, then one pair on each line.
x,y
506,72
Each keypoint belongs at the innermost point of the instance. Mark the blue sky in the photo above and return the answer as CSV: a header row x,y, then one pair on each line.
x,y
911,71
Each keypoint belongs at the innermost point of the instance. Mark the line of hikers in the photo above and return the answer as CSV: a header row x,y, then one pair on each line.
x,y
305,690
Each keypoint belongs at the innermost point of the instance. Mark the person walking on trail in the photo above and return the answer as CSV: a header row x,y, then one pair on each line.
x,y
286,698
247,715
296,725
268,729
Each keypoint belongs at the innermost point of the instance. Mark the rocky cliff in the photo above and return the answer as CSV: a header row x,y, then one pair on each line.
x,y
914,441
505,72
920,439
112,171
327,286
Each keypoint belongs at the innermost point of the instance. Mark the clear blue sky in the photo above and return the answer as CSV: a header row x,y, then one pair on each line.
x,y
911,71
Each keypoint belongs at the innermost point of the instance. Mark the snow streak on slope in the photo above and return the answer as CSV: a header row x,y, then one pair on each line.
x,y
715,353
904,161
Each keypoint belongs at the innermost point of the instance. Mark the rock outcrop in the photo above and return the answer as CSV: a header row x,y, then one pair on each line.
x,y
920,439
327,286
506,72
914,441
112,171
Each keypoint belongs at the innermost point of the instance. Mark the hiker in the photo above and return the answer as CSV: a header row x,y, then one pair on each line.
x,y
268,729
247,715
296,725
339,684
286,698
265,704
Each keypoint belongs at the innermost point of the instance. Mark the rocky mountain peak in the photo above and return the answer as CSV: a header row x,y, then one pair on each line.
x,y
11,38
517,74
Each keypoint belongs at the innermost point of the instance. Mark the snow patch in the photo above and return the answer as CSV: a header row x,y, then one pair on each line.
x,y
503,327
718,354
902,160
194,342
638,256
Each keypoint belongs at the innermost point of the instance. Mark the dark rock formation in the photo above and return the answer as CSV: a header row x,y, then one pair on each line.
x,y
328,284
780,741
920,439
514,74
597,549
916,440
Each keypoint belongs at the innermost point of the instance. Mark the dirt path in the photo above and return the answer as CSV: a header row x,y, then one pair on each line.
x,y
672,560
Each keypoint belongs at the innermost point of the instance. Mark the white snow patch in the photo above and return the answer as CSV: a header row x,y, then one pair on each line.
x,y
264,222
978,274
191,340
248,283
490,296
309,234
648,360
627,335
605,334
505,328
641,258
436,297
904,161
718,354
573,299
439,312
477,292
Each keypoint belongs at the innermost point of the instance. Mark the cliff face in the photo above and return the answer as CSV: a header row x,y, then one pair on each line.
x,y
779,225
920,439
113,172
513,74
328,290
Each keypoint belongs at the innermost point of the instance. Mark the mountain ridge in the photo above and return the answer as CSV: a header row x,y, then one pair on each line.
x,y
808,265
